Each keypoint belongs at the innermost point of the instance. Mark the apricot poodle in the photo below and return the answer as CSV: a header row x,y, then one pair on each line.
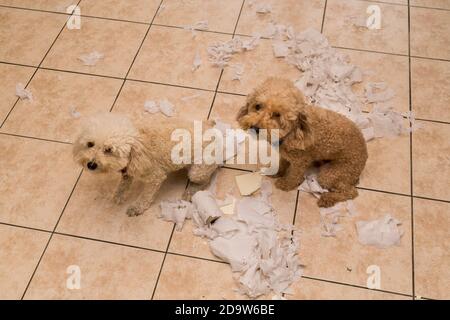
x,y
308,135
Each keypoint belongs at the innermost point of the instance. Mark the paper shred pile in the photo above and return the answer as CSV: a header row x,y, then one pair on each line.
x,y
220,53
261,252
382,232
22,93
91,59
164,106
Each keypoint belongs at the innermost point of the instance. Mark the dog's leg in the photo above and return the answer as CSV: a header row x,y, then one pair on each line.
x,y
284,165
121,194
294,176
146,198
340,178
200,178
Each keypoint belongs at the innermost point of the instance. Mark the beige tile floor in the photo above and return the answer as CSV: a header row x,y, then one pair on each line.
x,y
53,215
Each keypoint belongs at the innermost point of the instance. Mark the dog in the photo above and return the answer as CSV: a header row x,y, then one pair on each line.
x,y
137,150
307,135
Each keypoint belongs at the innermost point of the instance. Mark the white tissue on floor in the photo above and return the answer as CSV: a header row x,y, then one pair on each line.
x,y
176,211
22,93
91,59
164,106
263,8
197,61
74,113
263,259
220,53
382,232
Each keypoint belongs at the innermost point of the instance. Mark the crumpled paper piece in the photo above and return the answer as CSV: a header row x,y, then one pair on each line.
x,y
263,8
176,211
164,106
91,59
381,233
74,113
22,93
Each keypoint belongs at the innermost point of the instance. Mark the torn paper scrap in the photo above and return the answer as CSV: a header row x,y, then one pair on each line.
x,y
176,211
280,49
263,8
238,71
164,106
188,98
248,183
220,53
74,113
382,232
197,61
207,209
91,59
329,218
22,93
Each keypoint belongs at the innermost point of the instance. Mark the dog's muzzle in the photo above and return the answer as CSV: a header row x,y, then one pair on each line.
x,y
91,165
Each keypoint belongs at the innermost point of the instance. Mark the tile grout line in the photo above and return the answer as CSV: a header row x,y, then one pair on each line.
x,y
135,56
323,17
411,157
36,70
51,236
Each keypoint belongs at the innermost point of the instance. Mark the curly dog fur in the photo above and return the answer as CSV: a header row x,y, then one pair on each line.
x,y
307,135
112,143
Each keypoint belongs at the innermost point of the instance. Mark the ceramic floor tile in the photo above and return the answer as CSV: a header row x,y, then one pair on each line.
x,y
298,14
430,36
105,271
132,10
27,35
11,75
202,280
431,89
221,15
117,41
431,160
48,5
329,257
189,104
30,171
21,250
258,64
309,289
443,4
55,96
92,213
432,249
185,242
378,67
388,165
392,37
168,54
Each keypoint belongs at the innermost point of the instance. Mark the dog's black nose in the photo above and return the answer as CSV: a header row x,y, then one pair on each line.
x,y
91,165
255,128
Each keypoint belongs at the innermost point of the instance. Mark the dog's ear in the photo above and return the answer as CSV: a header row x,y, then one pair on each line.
x,y
242,112
300,137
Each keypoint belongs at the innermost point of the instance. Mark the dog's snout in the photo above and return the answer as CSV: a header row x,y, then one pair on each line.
x,y
255,128
91,165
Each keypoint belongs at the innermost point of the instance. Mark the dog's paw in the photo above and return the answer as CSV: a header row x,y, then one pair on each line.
x,y
134,211
285,184
327,200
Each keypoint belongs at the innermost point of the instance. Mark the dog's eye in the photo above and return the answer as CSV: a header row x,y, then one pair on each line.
x,y
276,114
108,150
90,144
258,107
